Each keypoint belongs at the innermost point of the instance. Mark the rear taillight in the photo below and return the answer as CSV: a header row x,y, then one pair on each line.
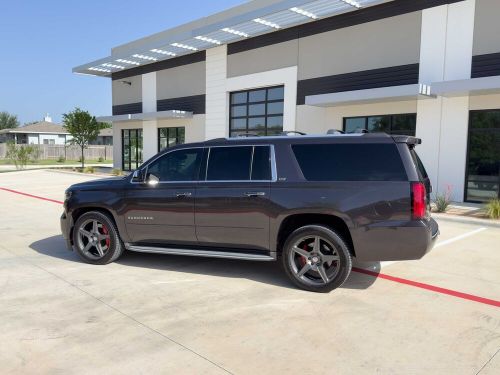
x,y
419,204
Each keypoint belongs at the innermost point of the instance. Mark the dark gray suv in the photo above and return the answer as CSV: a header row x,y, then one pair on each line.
x,y
314,202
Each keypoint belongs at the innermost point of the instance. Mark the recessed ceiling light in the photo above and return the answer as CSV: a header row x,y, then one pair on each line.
x,y
113,66
235,32
128,62
267,23
102,70
209,40
304,13
162,52
352,3
144,57
185,46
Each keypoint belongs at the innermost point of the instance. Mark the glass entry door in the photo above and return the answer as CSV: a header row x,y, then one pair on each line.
x,y
131,149
483,156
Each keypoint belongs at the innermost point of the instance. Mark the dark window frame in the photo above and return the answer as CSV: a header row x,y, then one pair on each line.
x,y
247,104
138,161
467,155
391,122
196,177
167,137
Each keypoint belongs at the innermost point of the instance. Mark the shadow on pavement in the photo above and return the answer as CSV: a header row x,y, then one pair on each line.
x,y
264,272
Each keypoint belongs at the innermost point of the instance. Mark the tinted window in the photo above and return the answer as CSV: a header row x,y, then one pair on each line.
x,y
261,166
350,162
229,163
182,165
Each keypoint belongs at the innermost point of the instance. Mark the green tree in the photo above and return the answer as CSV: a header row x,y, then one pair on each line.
x,y
83,127
8,121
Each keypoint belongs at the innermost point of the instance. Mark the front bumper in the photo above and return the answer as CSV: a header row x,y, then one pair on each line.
x,y
66,229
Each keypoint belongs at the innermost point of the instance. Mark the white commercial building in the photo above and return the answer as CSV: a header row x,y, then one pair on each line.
x,y
429,68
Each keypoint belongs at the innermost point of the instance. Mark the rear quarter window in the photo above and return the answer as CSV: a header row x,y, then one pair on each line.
x,y
350,162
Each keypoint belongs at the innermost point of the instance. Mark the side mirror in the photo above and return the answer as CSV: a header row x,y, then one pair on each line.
x,y
152,180
137,176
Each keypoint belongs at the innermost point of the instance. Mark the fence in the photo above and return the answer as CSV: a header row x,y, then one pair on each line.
x,y
68,152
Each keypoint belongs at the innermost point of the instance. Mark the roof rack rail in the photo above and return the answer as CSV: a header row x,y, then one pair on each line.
x,y
242,135
334,131
289,132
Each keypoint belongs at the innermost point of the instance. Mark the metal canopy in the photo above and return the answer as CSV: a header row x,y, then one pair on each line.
x,y
377,95
161,115
244,21
463,87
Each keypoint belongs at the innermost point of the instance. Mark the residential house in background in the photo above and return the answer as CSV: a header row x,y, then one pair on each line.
x,y
48,133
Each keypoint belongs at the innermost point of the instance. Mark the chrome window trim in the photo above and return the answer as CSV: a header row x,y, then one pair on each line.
x,y
274,174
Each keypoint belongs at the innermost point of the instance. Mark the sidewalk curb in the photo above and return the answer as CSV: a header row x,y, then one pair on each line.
x,y
467,220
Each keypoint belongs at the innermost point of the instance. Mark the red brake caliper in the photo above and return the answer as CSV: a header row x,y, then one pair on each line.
x,y
303,260
105,231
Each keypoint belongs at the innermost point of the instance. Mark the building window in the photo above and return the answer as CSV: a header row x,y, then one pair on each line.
x,y
257,111
483,156
131,149
168,137
404,124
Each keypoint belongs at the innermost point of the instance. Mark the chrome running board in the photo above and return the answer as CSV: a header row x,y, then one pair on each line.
x,y
199,253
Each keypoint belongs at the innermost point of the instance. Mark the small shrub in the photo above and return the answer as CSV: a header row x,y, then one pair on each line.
x,y
89,170
493,209
20,155
61,159
442,200
101,159
117,172
79,159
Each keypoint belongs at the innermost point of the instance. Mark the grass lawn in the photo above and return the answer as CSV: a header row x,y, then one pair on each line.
x,y
55,162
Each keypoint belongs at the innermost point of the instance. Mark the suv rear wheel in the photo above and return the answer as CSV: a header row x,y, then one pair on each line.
x,y
96,239
316,258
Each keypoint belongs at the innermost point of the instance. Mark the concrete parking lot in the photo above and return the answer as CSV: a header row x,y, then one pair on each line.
x,y
181,315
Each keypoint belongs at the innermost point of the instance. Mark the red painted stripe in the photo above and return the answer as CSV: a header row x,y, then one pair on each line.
x,y
432,288
31,196
395,279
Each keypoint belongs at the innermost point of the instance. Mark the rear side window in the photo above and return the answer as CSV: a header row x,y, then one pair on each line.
x,y
350,162
240,163
261,164
418,164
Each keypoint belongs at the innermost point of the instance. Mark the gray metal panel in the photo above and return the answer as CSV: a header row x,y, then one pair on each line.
x,y
486,27
123,93
263,59
186,80
388,42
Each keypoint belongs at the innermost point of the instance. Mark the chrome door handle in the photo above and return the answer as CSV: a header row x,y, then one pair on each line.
x,y
255,194
183,195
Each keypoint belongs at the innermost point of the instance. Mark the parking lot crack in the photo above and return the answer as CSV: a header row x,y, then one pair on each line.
x,y
488,361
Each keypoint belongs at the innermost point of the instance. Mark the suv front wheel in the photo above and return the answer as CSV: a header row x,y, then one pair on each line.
x,y
316,258
96,239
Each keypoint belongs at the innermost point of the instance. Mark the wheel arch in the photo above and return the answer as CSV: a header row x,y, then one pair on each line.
x,y
295,221
78,212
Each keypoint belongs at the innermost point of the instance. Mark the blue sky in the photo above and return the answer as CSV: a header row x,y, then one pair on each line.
x,y
41,41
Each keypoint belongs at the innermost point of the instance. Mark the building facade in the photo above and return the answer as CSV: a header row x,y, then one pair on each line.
x,y
429,68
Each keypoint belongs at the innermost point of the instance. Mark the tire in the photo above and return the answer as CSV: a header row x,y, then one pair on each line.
x,y
312,270
103,248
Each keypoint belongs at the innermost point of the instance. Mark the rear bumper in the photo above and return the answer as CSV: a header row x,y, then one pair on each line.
x,y
395,240
66,228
